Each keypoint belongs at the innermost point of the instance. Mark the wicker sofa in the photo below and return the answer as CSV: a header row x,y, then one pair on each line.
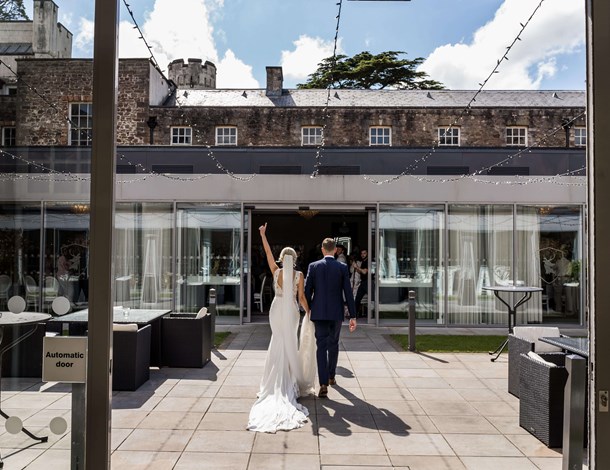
x,y
523,340
541,397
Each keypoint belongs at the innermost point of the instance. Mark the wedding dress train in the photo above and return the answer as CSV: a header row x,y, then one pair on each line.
x,y
277,407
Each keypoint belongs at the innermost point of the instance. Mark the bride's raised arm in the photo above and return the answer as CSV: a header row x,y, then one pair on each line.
x,y
270,261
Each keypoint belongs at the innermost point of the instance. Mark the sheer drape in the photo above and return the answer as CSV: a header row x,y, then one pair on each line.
x,y
528,263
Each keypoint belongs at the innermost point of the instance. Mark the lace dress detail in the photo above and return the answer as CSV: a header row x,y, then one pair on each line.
x,y
277,407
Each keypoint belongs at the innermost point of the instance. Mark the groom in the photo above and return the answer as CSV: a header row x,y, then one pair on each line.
x,y
326,285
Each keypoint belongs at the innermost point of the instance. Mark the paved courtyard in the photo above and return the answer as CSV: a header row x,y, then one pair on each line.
x,y
390,409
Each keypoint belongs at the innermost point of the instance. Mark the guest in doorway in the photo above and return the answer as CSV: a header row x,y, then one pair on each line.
x,y
362,270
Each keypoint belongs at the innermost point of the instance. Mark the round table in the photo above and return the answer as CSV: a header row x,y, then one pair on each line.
x,y
527,292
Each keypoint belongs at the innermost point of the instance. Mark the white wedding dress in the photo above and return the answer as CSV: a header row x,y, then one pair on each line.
x,y
283,379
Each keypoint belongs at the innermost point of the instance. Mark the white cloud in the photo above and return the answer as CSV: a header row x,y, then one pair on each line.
x,y
84,37
304,59
174,33
557,28
66,19
233,73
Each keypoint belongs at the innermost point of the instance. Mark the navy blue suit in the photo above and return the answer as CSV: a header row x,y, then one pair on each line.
x,y
326,285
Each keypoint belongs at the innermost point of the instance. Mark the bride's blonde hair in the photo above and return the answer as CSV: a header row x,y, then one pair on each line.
x,y
288,251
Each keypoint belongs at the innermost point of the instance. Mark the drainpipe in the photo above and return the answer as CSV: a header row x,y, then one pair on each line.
x,y
152,123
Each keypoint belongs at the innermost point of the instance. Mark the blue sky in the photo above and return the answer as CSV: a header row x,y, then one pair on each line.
x,y
461,40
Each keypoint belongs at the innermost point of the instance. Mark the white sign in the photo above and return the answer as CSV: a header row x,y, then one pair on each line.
x,y
64,359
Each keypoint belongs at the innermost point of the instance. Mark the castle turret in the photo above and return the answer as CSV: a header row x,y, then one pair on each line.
x,y
194,74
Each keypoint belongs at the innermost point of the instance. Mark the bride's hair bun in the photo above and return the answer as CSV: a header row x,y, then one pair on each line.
x,y
288,251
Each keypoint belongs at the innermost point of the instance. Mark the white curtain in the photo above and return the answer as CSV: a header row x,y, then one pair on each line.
x,y
499,259
528,263
464,253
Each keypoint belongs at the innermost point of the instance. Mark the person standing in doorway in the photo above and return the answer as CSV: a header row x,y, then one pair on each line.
x,y
363,271
341,254
326,285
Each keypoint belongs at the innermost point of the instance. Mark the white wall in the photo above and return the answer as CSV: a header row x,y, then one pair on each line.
x,y
303,190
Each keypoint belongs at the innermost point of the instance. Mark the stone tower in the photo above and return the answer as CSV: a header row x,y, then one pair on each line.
x,y
194,74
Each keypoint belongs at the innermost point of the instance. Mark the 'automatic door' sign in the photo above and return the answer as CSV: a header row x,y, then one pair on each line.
x,y
64,359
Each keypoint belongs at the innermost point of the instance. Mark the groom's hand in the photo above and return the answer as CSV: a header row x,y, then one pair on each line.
x,y
352,325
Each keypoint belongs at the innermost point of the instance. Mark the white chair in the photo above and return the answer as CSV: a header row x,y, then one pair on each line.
x,y
31,292
258,296
5,285
50,291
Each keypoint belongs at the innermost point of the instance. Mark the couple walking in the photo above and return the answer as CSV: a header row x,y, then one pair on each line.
x,y
290,368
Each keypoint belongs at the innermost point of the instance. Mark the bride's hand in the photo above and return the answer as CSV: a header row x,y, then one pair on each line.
x,y
262,229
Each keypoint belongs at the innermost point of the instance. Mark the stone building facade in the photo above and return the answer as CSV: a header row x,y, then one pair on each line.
x,y
151,108
42,37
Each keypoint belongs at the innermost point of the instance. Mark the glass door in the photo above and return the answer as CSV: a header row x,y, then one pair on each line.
x,y
209,255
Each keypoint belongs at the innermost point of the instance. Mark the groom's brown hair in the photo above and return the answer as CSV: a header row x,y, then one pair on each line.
x,y
329,245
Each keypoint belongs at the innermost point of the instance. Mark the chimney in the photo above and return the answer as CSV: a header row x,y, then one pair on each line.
x,y
275,81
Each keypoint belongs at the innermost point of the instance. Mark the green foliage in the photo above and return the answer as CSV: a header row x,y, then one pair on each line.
x,y
451,343
11,10
368,71
219,337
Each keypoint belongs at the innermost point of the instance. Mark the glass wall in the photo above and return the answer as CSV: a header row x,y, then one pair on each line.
x,y
549,242
157,266
66,254
209,256
480,253
20,263
144,266
410,258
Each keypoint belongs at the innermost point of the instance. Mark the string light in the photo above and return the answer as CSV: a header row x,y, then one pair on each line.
x,y
174,91
465,110
319,150
325,115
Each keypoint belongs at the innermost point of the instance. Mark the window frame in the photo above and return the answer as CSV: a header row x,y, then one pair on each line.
x,y
232,138
511,142
580,140
12,139
378,137
315,139
442,139
75,136
176,135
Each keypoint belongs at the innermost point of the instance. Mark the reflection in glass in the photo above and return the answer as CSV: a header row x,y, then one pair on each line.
x,y
209,253
410,259
549,256
66,254
480,250
143,255
20,253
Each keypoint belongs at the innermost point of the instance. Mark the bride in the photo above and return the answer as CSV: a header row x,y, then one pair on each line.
x,y
289,371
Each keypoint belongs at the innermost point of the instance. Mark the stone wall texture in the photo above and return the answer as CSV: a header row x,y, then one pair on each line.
x,y
44,121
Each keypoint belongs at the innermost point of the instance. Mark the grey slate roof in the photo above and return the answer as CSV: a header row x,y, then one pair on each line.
x,y
16,48
382,98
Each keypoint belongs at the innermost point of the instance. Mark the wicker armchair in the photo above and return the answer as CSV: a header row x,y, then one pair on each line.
x,y
523,340
131,356
541,397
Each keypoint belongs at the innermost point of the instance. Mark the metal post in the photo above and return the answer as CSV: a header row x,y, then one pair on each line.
x,y
77,453
574,412
103,174
412,320
212,312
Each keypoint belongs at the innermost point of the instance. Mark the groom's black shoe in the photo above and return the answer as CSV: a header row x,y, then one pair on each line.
x,y
323,393
332,381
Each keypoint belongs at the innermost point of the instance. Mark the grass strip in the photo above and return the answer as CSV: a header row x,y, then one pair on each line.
x,y
451,343
219,337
